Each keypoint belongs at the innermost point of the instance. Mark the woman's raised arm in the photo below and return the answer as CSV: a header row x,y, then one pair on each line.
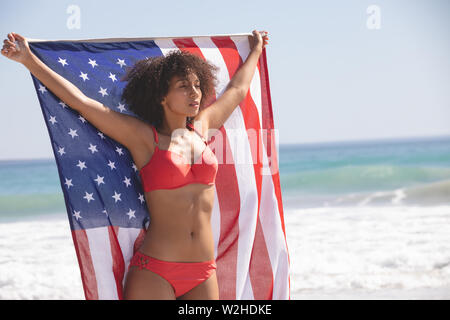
x,y
220,110
123,128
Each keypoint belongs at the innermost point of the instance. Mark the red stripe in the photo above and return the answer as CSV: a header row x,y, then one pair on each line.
x,y
188,45
229,206
117,259
88,279
262,268
267,120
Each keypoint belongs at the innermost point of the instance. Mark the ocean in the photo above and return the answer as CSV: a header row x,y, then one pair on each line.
x,y
364,220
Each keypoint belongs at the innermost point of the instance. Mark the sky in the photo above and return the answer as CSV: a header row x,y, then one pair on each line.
x,y
344,70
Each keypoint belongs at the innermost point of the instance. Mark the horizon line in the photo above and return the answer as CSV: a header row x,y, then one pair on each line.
x,y
290,144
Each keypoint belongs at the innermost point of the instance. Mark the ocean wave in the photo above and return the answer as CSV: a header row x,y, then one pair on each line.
x,y
361,178
425,194
430,194
369,249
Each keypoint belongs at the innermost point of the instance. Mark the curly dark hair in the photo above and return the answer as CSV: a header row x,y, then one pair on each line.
x,y
149,80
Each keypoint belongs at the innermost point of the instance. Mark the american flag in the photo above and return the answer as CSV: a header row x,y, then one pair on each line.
x,y
102,189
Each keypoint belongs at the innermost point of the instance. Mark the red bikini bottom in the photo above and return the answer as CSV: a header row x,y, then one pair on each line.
x,y
183,276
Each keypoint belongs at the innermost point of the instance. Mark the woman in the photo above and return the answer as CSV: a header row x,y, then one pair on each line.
x,y
176,259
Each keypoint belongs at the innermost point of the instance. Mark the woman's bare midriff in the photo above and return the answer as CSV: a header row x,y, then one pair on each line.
x,y
180,224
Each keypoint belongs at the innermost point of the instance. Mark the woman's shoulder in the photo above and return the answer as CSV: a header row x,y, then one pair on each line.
x,y
143,152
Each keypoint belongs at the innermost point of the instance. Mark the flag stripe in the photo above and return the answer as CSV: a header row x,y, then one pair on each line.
x,y
274,237
100,248
117,259
268,124
83,252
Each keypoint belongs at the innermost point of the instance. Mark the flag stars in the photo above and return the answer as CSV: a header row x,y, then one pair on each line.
x,y
81,165
84,76
141,198
121,62
112,77
111,164
73,133
77,215
119,151
103,92
88,197
62,61
99,180
42,89
68,183
53,119
82,119
62,104
93,63
130,214
127,181
61,151
116,196
93,148
101,135
121,107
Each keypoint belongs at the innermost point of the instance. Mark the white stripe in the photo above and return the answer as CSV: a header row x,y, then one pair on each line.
x,y
100,249
126,238
166,46
212,54
239,144
247,294
243,47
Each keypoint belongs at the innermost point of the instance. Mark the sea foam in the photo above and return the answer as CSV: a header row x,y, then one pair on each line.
x,y
372,252
392,252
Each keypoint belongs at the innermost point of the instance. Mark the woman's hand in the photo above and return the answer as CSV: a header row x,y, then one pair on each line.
x,y
259,40
16,48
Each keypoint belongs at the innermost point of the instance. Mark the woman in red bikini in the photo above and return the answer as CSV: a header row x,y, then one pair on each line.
x,y
177,168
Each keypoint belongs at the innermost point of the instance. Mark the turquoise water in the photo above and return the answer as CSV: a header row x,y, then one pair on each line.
x,y
409,172
415,170
29,187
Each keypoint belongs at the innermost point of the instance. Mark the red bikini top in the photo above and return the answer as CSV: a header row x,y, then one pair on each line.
x,y
169,170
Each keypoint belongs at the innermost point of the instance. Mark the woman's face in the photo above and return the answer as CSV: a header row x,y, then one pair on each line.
x,y
184,95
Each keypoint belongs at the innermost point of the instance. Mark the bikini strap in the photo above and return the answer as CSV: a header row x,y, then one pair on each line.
x,y
155,134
